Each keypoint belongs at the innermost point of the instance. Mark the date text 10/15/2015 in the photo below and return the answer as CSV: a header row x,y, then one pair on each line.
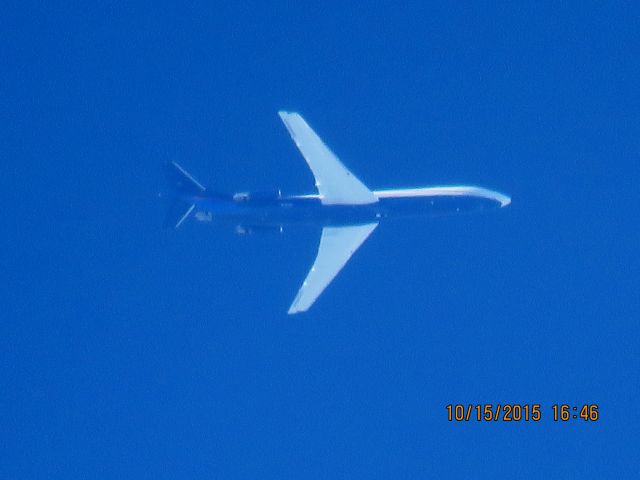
x,y
516,412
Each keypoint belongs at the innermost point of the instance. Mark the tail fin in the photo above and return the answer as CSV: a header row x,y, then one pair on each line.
x,y
181,185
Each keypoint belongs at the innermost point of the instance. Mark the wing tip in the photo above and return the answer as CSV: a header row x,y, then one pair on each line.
x,y
294,309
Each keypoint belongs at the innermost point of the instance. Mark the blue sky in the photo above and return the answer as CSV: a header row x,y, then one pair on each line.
x,y
127,350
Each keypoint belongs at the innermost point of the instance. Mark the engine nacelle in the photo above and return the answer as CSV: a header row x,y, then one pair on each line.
x,y
257,197
253,229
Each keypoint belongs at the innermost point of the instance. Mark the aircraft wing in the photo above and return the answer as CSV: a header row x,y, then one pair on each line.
x,y
337,244
336,184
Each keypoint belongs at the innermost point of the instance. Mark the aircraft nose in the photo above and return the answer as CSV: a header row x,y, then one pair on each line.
x,y
504,200
494,196
501,198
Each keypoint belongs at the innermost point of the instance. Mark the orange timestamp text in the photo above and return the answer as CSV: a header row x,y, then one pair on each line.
x,y
518,412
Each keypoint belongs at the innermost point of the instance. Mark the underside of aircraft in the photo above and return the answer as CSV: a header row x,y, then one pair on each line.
x,y
346,208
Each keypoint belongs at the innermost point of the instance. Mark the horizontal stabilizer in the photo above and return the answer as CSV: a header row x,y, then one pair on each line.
x,y
182,185
177,213
181,181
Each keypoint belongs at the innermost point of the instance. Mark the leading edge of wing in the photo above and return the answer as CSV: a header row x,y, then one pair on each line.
x,y
337,244
335,183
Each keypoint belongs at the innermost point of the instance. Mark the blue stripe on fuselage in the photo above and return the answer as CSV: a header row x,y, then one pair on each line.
x,y
282,210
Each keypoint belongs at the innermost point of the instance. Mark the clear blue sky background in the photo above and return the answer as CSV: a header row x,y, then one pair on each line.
x,y
127,351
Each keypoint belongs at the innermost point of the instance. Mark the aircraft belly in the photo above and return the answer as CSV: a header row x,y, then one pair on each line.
x,y
321,215
435,206
296,213
312,212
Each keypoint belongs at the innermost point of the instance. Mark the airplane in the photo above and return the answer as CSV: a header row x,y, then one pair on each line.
x,y
346,209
